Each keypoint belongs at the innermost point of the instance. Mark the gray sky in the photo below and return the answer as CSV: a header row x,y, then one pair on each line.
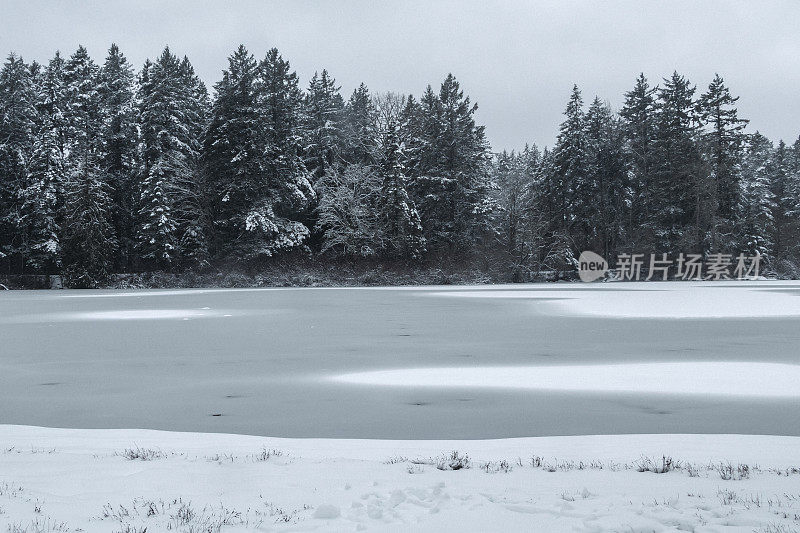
x,y
517,59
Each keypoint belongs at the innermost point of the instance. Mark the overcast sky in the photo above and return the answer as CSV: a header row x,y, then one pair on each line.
x,y
517,59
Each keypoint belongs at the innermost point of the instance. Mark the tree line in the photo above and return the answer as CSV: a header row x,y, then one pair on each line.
x,y
104,169
673,171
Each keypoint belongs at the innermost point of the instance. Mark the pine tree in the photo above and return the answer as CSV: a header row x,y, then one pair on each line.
x,y
400,221
40,199
679,187
571,188
322,124
190,200
514,175
116,88
605,198
272,222
17,127
450,160
785,212
89,241
755,224
359,125
639,122
172,113
722,141
234,151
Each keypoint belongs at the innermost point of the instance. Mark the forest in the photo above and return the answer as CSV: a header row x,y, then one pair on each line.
x,y
106,169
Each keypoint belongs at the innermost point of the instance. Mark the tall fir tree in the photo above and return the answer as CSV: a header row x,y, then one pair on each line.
x,y
514,175
450,161
605,207
359,125
89,242
785,212
757,207
274,220
399,219
234,153
570,187
17,129
322,124
171,116
638,116
679,185
721,145
119,136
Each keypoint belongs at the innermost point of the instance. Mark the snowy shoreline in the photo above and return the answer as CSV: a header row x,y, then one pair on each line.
x,y
128,480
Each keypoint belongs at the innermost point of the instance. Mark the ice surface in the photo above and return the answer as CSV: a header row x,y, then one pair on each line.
x,y
658,300
700,378
129,359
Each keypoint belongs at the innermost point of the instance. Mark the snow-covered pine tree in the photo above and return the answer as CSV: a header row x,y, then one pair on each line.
x,y
190,197
638,115
119,136
679,185
272,220
399,220
571,189
322,124
17,127
721,144
450,161
755,223
171,117
514,174
40,203
359,135
607,206
233,154
89,242
785,212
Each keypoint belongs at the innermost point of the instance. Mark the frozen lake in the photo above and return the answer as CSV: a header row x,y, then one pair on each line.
x,y
408,363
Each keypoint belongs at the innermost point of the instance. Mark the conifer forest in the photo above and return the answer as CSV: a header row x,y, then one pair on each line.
x,y
106,168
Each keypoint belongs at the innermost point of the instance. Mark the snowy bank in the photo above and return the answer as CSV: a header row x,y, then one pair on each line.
x,y
132,480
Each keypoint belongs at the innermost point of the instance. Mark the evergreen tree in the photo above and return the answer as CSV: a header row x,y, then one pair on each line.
x,y
450,159
785,212
89,241
679,186
359,135
17,128
272,222
722,141
756,211
605,198
234,152
171,111
400,221
190,200
116,88
322,123
514,175
570,187
639,122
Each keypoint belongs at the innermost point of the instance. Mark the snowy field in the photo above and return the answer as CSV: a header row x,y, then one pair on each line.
x,y
140,480
576,387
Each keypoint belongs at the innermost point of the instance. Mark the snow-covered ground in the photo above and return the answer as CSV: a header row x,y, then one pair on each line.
x,y
137,480
703,373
